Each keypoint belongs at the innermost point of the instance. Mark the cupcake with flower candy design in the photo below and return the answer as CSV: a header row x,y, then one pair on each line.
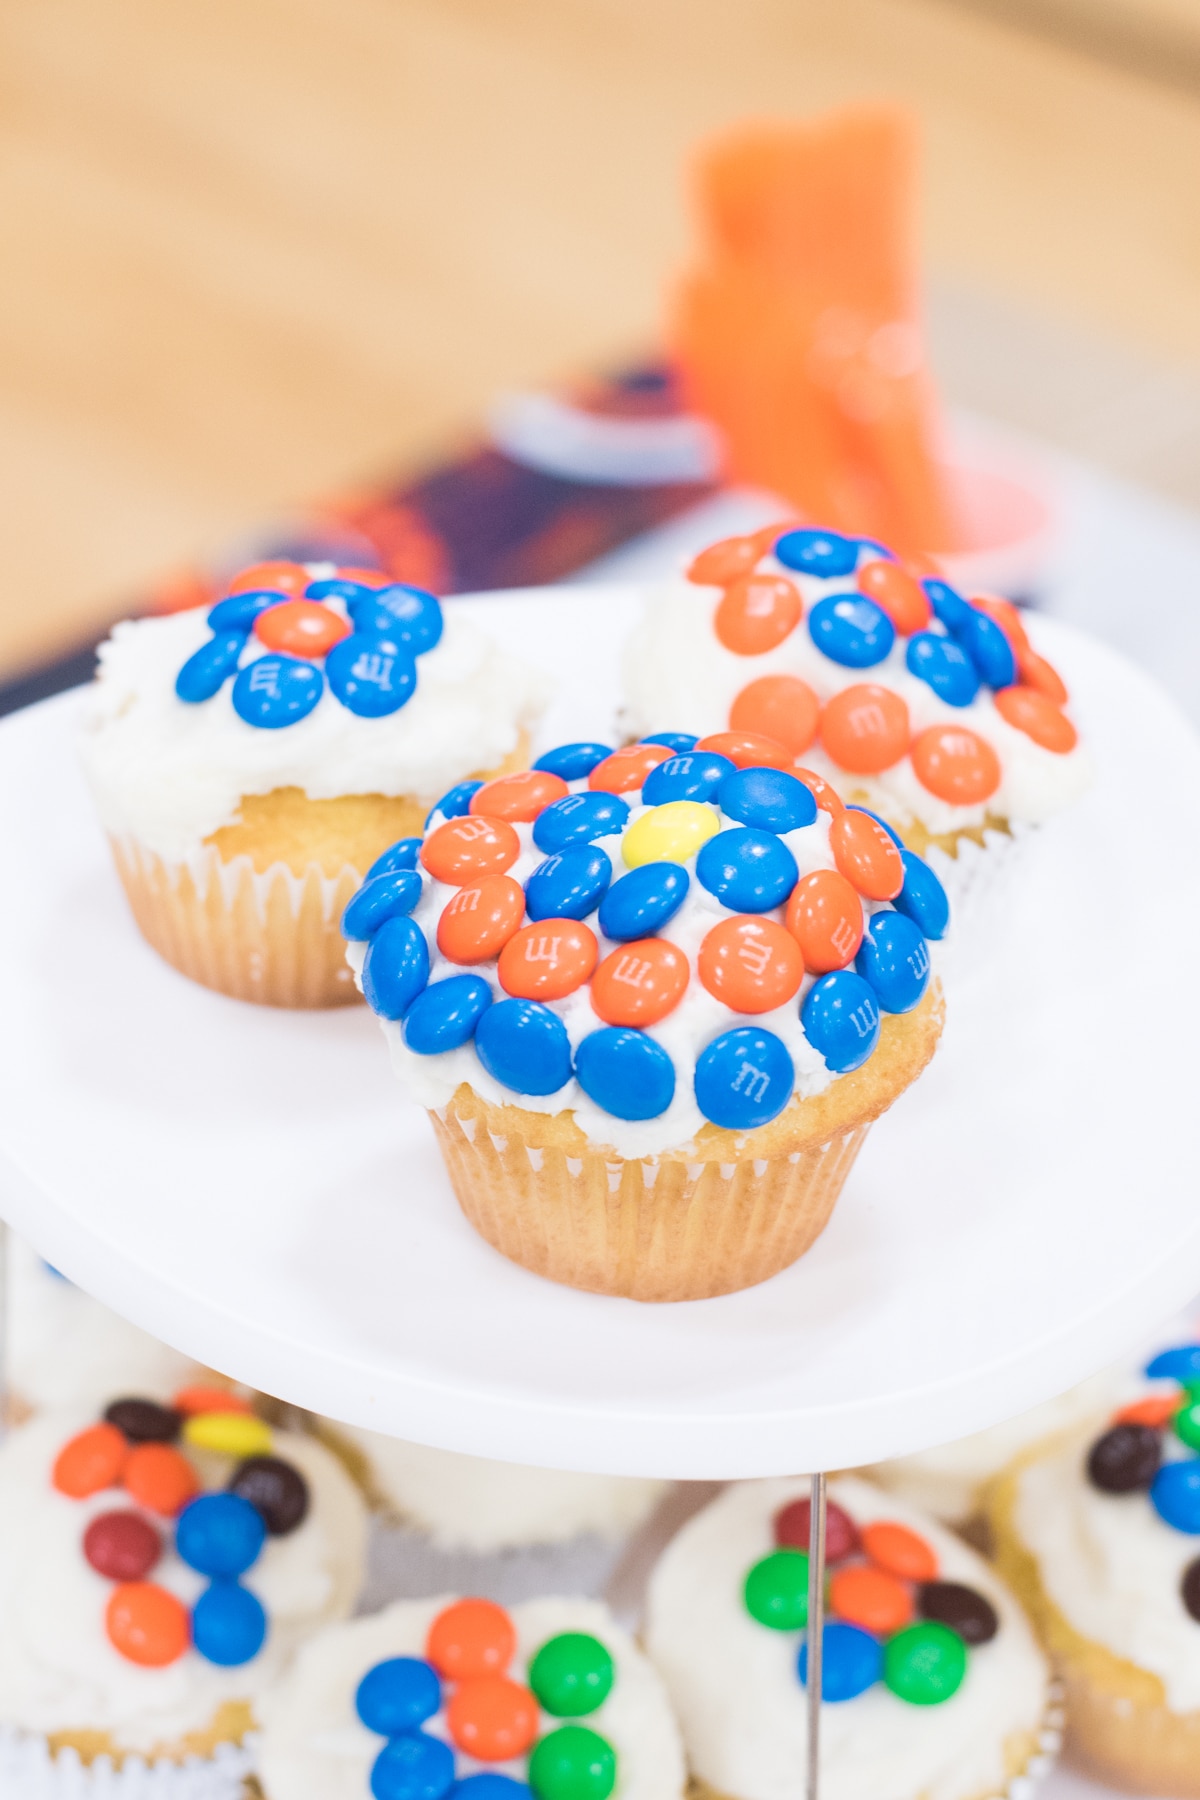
x,y
159,1564
251,760
550,1700
653,998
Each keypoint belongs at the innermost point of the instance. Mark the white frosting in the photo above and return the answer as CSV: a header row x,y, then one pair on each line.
x,y
471,1503
168,773
675,667
314,1747
58,1670
739,1700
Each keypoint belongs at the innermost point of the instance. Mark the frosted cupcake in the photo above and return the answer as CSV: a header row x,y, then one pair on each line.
x,y
653,998
1099,1533
936,711
550,1699
157,1570
250,762
932,1680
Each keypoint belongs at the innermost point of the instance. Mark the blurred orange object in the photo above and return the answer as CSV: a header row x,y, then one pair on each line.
x,y
798,334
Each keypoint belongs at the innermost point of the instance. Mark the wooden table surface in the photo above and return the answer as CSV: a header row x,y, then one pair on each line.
x,y
252,249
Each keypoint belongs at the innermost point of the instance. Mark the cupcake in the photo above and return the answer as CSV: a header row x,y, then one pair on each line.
x,y
932,1681
158,1568
251,760
550,1699
1099,1534
934,710
653,998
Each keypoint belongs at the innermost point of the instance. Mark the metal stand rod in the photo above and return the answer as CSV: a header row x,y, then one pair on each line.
x,y
815,1632
5,1333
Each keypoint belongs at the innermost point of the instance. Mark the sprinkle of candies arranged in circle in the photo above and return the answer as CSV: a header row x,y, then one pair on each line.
x,y
1152,1446
566,883
484,1716
355,630
136,1448
958,647
891,1618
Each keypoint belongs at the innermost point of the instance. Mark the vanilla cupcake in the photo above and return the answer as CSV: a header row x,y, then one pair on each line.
x,y
252,760
1099,1533
933,1685
158,1568
653,999
551,1699
934,710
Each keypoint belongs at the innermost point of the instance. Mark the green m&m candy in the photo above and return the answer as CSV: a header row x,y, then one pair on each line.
x,y
776,1590
573,1763
1187,1421
571,1674
925,1664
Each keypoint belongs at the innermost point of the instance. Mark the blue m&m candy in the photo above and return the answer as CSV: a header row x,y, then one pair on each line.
x,y
690,776
445,1014
851,1661
579,819
371,676
747,870
767,798
337,587
568,885
239,611
1175,1495
944,666
1181,1363
413,1766
524,1046
672,740
821,553
220,1534
923,899
381,897
573,762
395,968
625,1072
988,648
641,902
947,603
486,1784
840,1016
894,959
400,855
276,690
229,1625
457,803
851,630
398,1695
408,614
205,672
744,1078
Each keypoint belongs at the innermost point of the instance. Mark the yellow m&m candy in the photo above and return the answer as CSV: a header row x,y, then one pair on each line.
x,y
228,1433
670,833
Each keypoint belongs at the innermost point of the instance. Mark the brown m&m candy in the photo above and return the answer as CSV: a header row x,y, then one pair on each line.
x,y
1189,1588
962,1608
1125,1459
144,1421
276,1489
792,1526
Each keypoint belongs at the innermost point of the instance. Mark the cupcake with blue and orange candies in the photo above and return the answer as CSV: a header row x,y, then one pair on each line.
x,y
653,998
251,760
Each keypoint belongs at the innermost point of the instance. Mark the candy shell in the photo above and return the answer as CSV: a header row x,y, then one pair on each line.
x,y
471,1637
1156,1410
1180,1363
462,849
781,708
220,1534
744,1078
825,796
492,1718
146,1624
456,803
444,1015
775,1592
840,1015
851,630
640,983
395,968
477,923
865,854
943,665
756,613
405,613
524,1046
275,1489
690,776
900,595
518,797
625,1072
731,558
747,870
1038,717
398,1695
278,577
1007,616
671,833
372,677
1175,1495
94,1459
547,960
640,903
123,1546
793,1526
382,897
579,819
768,799
160,1478
899,1550
229,1625
923,898
1126,1457
964,1609
894,959
748,750
925,1664
203,1396
300,628
351,587
572,1674
401,855
275,691
625,771
569,885
413,1766
870,1598
573,1763
824,554
865,728
1037,673
239,611
851,1662
988,648
825,916
207,669
956,765
676,741
882,824
228,1433
574,762
947,603
753,965
144,1421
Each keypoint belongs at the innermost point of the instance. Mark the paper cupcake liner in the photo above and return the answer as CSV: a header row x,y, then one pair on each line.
x,y
30,1770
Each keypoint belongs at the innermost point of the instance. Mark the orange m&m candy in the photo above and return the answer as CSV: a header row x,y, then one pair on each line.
x,y
899,1551
270,578
202,1399
756,613
160,1478
1155,1410
368,578
520,797
825,916
870,1598
147,1624
90,1461
900,595
477,923
955,764
1037,673
750,963
1006,616
492,1718
865,728
640,983
734,556
462,848
300,627
1038,717
625,770
548,960
472,1637
748,750
866,855
779,707
822,793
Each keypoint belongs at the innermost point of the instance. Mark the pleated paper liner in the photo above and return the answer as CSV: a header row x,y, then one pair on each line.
x,y
216,1764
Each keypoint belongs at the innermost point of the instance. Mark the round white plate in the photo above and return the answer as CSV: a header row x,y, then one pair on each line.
x,y
252,1186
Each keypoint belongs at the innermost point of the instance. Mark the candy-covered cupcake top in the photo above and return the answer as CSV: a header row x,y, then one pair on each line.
x,y
935,707
333,681
677,932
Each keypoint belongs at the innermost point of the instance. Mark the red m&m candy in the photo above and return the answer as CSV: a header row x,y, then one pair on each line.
x,y
91,1461
472,1637
270,578
900,595
866,855
520,797
899,1551
625,770
750,963
779,707
1038,717
460,849
492,1718
793,1525
477,923
955,764
822,793
756,613
865,728
825,916
871,1599
146,1624
640,983
548,960
748,750
301,628
122,1545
